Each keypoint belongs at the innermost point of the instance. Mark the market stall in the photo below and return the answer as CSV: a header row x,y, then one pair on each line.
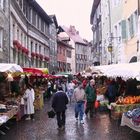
x,y
132,119
35,77
9,99
124,70
118,110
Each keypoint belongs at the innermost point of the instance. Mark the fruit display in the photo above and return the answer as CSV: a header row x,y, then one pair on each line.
x,y
128,100
101,90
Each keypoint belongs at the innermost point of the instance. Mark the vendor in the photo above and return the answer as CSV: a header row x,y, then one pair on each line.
x,y
29,98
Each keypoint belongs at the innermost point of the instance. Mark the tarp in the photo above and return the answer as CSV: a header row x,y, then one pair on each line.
x,y
44,70
124,70
32,71
9,67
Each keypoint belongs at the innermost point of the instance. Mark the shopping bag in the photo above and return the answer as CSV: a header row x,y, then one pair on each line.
x,y
97,104
51,113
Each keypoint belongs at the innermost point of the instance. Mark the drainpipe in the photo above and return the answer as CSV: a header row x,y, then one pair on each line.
x,y
9,31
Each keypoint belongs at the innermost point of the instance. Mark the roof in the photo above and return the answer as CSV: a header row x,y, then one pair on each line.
x,y
73,34
42,13
59,40
54,19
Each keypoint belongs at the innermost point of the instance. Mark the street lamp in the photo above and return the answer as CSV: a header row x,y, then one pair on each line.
x,y
110,49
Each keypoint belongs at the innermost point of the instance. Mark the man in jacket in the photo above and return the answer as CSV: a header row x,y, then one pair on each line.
x,y
90,97
59,102
79,96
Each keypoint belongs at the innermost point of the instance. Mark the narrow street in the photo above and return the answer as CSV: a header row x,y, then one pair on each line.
x,y
100,127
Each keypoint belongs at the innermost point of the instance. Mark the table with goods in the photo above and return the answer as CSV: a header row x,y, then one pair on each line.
x,y
103,101
131,119
39,100
124,104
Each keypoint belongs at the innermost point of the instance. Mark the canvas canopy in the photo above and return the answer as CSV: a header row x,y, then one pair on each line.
x,y
124,70
8,67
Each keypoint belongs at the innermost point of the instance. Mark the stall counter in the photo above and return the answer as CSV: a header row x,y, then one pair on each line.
x,y
117,110
125,121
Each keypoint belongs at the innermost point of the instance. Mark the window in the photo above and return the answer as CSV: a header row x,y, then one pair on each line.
x,y
21,4
17,34
2,4
30,15
39,49
135,21
131,26
13,31
34,18
21,38
42,25
25,40
31,46
38,19
36,47
24,7
1,38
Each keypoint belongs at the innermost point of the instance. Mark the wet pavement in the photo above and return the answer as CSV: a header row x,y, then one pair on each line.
x,y
100,127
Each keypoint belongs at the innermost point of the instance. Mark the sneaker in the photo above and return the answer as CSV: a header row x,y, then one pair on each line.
x,y
82,122
61,128
28,119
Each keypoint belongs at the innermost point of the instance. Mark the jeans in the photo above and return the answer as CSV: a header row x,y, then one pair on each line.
x,y
60,118
79,110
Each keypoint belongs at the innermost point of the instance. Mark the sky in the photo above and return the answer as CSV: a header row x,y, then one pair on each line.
x,y
71,12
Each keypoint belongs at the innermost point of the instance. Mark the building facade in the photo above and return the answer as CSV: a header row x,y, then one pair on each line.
x,y
64,53
79,51
95,21
4,31
130,29
53,44
29,36
25,34
119,36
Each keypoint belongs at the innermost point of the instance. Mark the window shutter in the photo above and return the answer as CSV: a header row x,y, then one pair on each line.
x,y
124,31
131,26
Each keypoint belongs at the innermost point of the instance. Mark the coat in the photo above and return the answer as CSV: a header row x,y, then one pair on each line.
x,y
59,101
90,93
29,98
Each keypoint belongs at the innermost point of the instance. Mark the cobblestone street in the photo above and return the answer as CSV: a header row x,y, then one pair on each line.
x,y
100,127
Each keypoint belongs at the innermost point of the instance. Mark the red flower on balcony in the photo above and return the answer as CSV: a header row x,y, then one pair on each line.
x,y
15,42
33,54
41,56
46,58
26,51
37,55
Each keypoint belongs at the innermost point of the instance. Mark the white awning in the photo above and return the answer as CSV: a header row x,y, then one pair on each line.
x,y
8,67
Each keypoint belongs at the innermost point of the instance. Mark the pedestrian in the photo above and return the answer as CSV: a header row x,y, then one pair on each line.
x,y
111,93
70,90
29,98
90,97
79,96
59,102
